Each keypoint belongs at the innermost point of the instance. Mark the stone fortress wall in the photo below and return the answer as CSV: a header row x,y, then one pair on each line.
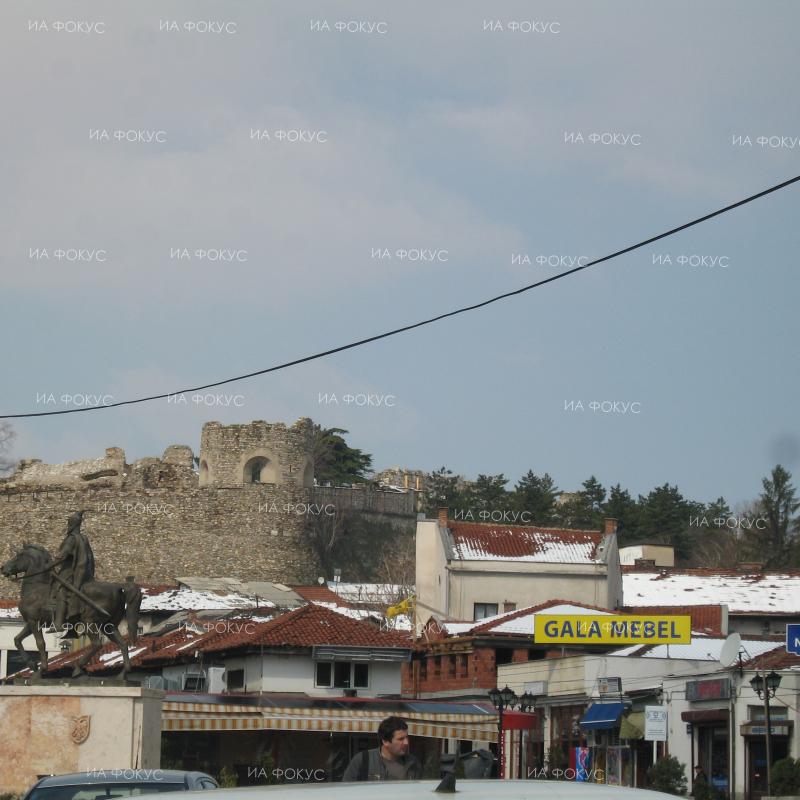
x,y
243,513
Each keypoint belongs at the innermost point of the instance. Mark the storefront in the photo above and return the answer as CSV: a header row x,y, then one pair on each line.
x,y
609,758
566,737
523,743
754,733
709,731
261,737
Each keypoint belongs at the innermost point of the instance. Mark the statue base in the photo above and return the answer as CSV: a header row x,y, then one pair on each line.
x,y
59,729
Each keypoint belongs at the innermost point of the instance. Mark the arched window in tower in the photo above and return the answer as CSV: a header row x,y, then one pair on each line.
x,y
256,470
204,473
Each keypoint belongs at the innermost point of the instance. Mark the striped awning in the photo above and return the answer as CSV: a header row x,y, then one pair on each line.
x,y
213,717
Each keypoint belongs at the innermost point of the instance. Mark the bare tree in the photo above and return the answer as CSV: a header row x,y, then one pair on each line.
x,y
7,435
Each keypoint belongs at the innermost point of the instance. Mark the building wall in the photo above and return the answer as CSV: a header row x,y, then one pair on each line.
x,y
663,555
525,584
431,571
295,673
226,449
154,520
124,731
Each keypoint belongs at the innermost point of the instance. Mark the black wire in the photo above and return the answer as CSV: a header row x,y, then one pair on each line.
x,y
394,332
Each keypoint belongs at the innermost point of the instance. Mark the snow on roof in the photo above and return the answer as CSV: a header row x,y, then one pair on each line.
x,y
481,542
9,609
370,592
701,649
183,599
518,621
115,656
742,593
353,613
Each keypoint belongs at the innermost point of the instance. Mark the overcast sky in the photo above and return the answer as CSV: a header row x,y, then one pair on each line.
x,y
449,127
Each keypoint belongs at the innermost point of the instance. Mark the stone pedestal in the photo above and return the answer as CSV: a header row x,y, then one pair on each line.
x,y
52,730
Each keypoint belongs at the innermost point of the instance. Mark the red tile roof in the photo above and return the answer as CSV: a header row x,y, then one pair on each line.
x,y
312,625
320,594
302,628
705,619
774,659
474,540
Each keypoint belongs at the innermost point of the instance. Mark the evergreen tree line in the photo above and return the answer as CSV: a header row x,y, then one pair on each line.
x,y
703,534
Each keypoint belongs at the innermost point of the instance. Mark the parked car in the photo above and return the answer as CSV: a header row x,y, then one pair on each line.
x,y
102,784
425,790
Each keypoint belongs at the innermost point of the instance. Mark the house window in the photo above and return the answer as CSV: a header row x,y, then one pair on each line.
x,y
360,676
235,680
483,610
341,675
323,673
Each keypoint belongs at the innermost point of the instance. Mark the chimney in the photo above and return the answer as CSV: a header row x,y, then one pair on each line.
x,y
443,517
610,525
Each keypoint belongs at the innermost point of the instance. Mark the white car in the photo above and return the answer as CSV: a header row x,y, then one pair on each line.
x,y
420,790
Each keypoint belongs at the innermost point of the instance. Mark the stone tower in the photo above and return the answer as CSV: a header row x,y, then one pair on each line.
x,y
257,453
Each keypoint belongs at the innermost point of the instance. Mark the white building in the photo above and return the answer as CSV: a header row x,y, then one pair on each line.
x,y
471,570
715,719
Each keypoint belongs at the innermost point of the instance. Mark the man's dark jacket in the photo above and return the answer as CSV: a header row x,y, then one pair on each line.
x,y
372,768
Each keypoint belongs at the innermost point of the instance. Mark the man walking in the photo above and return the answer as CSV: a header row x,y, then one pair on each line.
x,y
389,762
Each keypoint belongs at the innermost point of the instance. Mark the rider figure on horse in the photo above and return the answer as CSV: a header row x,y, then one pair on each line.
x,y
75,565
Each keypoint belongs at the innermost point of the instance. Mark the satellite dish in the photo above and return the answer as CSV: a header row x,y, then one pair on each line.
x,y
729,654
320,580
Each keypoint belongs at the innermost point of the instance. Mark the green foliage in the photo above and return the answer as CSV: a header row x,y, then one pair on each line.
x,y
786,777
10,796
536,495
664,514
336,461
667,775
227,777
441,490
487,493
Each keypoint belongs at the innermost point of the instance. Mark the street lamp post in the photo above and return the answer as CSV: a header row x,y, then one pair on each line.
x,y
767,687
501,700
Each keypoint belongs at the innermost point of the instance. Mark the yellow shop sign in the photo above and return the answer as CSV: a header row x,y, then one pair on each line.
x,y
612,629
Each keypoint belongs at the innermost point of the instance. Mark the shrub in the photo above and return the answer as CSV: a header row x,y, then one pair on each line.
x,y
667,775
227,777
786,776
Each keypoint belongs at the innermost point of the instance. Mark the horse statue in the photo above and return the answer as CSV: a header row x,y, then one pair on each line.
x,y
101,606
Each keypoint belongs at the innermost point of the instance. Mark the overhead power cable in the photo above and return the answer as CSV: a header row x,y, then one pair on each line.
x,y
421,323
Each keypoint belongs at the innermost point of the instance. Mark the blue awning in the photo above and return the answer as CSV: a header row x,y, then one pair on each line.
x,y
601,716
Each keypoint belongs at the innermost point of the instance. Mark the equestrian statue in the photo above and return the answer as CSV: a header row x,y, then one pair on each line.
x,y
63,594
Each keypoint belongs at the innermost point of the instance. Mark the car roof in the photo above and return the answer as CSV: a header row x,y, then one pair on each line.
x,y
119,776
487,789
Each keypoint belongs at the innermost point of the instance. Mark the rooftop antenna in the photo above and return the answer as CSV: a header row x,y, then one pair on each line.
x,y
731,652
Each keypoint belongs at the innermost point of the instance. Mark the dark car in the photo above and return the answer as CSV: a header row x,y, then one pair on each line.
x,y
103,784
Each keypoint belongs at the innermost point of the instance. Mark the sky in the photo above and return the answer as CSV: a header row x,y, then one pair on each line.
x,y
199,190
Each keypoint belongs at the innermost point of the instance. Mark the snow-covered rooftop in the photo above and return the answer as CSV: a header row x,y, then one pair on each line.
x,y
701,649
384,593
184,599
480,542
742,593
